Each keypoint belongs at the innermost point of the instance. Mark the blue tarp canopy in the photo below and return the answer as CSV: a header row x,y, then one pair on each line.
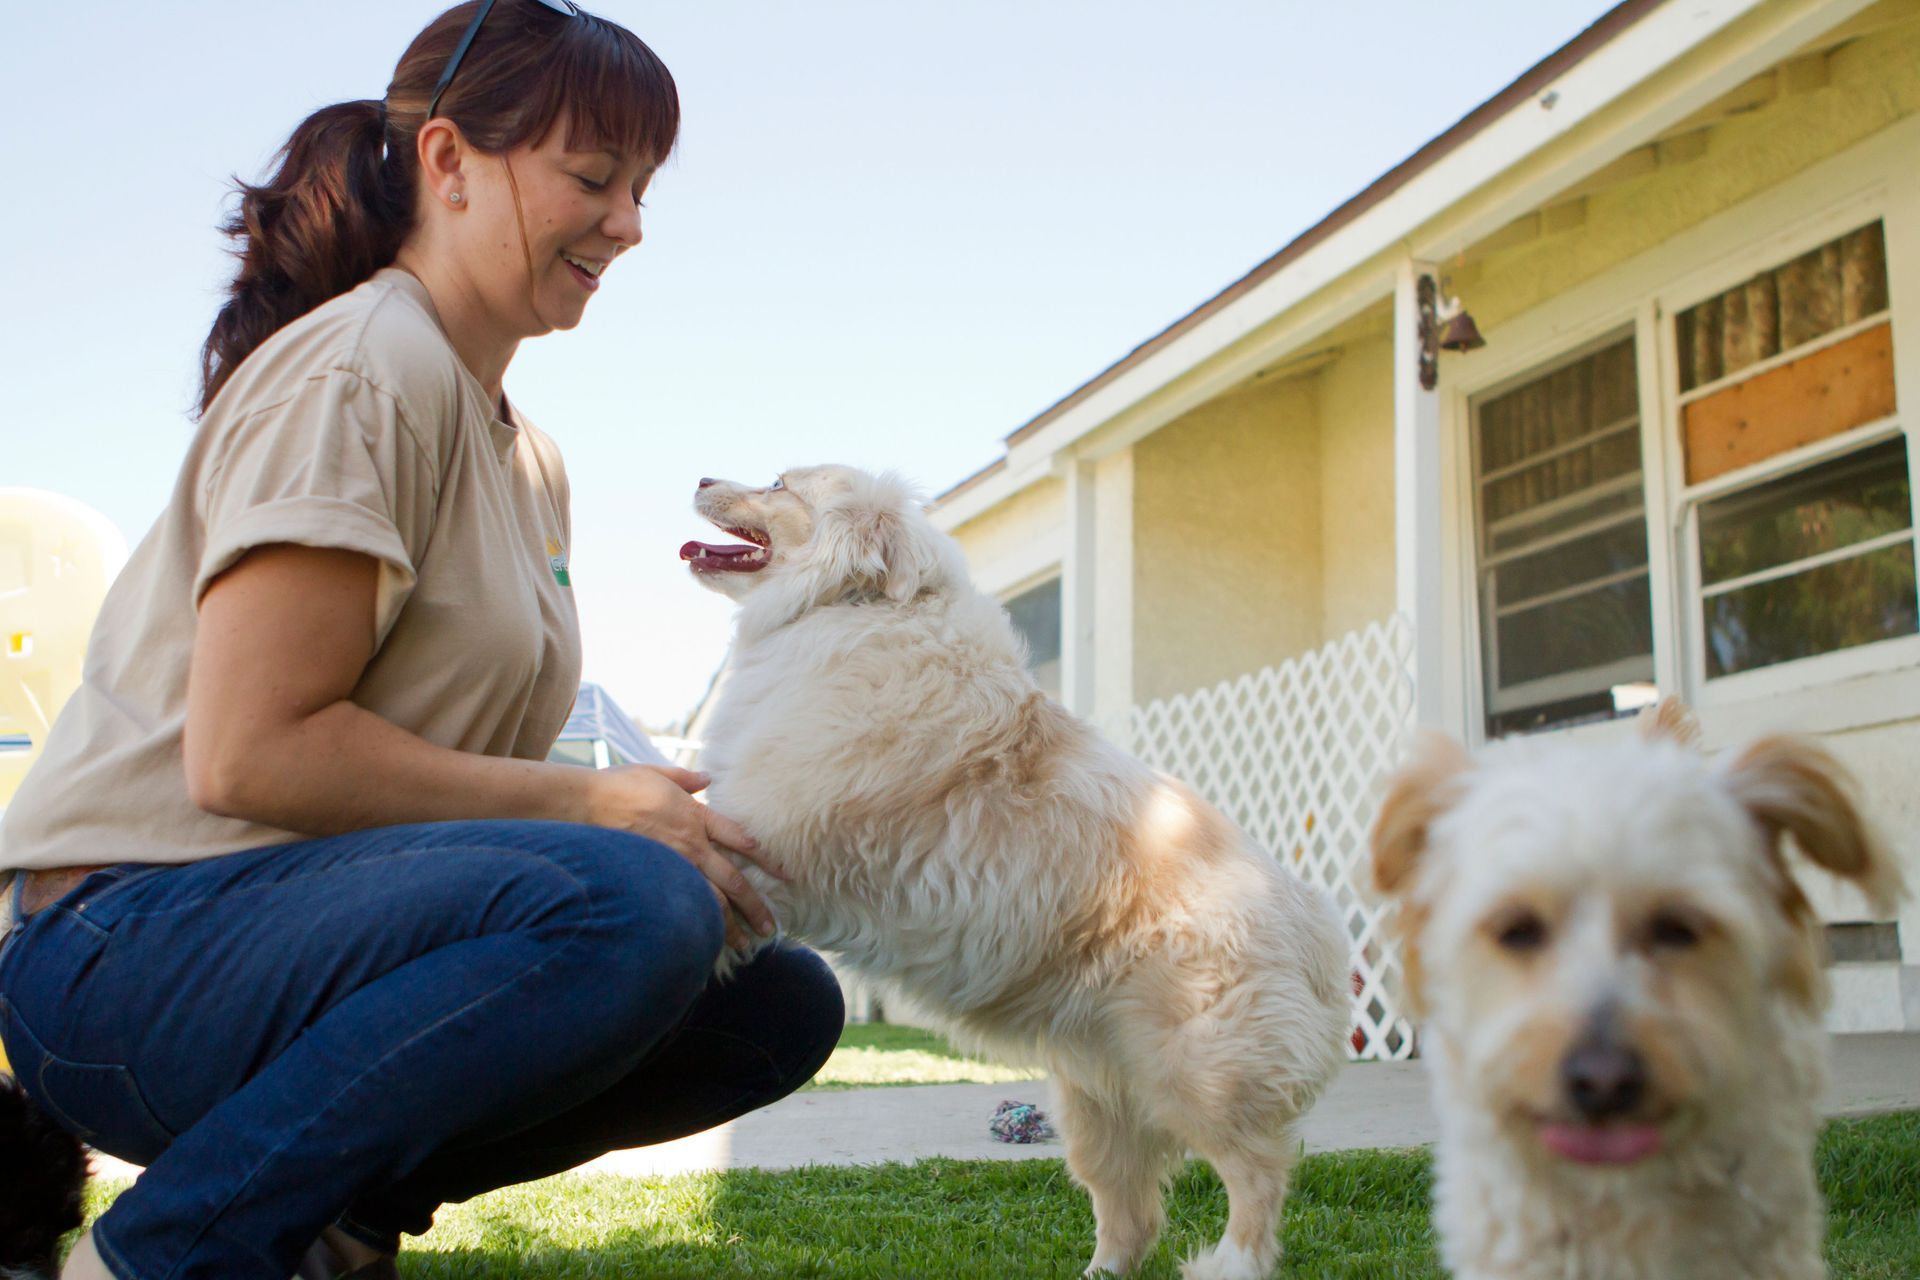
x,y
597,717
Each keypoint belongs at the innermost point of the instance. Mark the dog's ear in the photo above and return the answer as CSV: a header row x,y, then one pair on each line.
x,y
1670,720
876,538
872,538
1422,789
1792,786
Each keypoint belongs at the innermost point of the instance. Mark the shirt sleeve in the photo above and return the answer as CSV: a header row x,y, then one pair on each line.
x,y
336,466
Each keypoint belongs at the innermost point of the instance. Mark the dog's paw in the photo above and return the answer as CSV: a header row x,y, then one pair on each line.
x,y
1227,1261
732,960
729,962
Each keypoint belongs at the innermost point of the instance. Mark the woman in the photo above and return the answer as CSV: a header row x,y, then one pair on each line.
x,y
303,920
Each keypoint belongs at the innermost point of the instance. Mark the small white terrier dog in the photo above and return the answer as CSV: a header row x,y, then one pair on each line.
x,y
954,832
1621,987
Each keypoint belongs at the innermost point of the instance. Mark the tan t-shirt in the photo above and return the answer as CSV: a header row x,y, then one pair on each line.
x,y
355,427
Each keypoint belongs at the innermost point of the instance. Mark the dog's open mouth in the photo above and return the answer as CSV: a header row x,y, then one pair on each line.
x,y
706,557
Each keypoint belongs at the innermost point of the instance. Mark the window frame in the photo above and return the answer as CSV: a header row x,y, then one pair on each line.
x,y
1483,647
1759,254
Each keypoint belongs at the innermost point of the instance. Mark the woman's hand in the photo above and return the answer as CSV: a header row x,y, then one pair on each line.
x,y
657,802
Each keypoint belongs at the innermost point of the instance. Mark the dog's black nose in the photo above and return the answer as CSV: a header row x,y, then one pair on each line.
x,y
1603,1080
707,480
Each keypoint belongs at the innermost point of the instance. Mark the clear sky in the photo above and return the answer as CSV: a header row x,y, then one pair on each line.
x,y
893,232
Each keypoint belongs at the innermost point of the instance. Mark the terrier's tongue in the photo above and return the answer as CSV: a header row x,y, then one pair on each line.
x,y
1590,1144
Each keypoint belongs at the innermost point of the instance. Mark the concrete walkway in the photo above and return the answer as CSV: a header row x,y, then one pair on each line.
x,y
1374,1104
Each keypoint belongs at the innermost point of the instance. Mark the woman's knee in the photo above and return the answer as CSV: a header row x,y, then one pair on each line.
x,y
802,995
633,901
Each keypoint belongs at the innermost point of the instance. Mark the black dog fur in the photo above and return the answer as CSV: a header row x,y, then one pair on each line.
x,y
43,1170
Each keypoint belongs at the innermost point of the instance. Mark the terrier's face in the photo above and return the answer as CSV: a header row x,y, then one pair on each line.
x,y
1597,935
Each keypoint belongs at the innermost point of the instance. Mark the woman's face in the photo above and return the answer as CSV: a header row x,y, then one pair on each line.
x,y
579,210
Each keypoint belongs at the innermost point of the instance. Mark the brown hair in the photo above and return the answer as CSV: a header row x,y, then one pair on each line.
x,y
341,200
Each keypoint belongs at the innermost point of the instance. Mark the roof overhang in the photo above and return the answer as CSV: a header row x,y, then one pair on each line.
x,y
1642,67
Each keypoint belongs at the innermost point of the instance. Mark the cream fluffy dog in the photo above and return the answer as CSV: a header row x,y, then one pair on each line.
x,y
953,831
1622,989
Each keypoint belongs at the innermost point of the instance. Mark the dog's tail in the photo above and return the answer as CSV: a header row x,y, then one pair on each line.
x,y
44,1171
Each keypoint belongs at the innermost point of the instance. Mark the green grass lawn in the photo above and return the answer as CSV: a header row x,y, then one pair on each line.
x,y
1355,1214
878,1053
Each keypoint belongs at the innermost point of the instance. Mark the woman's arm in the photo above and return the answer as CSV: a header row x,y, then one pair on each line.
x,y
273,735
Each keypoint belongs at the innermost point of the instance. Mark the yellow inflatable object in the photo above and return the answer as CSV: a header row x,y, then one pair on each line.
x,y
57,558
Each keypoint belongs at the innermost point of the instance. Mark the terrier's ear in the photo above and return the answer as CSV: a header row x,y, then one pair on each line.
x,y
1670,720
1792,786
1422,789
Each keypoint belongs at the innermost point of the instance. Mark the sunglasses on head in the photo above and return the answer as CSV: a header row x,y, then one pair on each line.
x,y
564,7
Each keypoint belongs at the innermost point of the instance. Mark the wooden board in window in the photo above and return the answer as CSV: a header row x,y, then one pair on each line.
x,y
1832,390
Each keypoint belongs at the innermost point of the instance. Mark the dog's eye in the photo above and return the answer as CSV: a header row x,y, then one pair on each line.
x,y
1525,932
1672,931
779,483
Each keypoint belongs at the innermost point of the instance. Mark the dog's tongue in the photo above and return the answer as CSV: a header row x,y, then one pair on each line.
x,y
735,557
1593,1144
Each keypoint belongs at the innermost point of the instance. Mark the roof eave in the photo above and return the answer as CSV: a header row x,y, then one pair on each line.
x,y
1564,94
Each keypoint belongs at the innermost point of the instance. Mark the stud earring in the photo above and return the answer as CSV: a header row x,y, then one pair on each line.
x,y
455,198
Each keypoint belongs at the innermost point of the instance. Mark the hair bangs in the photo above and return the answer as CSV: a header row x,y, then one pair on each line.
x,y
613,92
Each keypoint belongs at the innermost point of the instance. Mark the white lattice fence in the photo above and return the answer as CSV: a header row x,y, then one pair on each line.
x,y
1293,754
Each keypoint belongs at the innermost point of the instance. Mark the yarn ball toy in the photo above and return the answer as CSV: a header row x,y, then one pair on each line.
x,y
1020,1122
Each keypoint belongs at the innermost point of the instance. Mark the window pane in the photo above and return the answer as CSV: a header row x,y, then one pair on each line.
x,y
1606,458
1834,606
1598,555
1036,616
1526,532
1562,621
1595,629
1824,289
1823,508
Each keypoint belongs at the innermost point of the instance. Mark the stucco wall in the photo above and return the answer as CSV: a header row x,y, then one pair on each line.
x,y
1008,544
1356,451
1870,83
1227,539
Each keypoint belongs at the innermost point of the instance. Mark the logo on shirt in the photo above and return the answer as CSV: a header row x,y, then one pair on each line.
x,y
557,561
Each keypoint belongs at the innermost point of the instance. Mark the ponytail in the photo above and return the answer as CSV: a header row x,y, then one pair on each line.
x,y
333,213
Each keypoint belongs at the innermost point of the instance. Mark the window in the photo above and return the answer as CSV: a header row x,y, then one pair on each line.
x,y
1036,616
1796,469
1819,560
1561,531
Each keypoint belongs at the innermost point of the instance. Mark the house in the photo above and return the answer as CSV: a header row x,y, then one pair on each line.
x,y
1290,525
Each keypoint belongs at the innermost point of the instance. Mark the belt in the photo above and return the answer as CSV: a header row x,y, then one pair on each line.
x,y
45,887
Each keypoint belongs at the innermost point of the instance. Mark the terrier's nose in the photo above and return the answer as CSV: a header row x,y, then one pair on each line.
x,y
707,480
1604,1081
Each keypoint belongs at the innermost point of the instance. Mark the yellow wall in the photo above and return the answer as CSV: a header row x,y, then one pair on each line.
x,y
1870,83
1356,450
1011,532
1227,528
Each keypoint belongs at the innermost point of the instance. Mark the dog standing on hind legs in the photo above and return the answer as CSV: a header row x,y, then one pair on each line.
x,y
952,830
1621,988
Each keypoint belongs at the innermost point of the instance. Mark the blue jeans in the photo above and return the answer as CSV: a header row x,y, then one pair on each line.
x,y
361,1028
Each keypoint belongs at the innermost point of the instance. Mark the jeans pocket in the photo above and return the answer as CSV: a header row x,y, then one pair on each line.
x,y
95,901
98,1102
